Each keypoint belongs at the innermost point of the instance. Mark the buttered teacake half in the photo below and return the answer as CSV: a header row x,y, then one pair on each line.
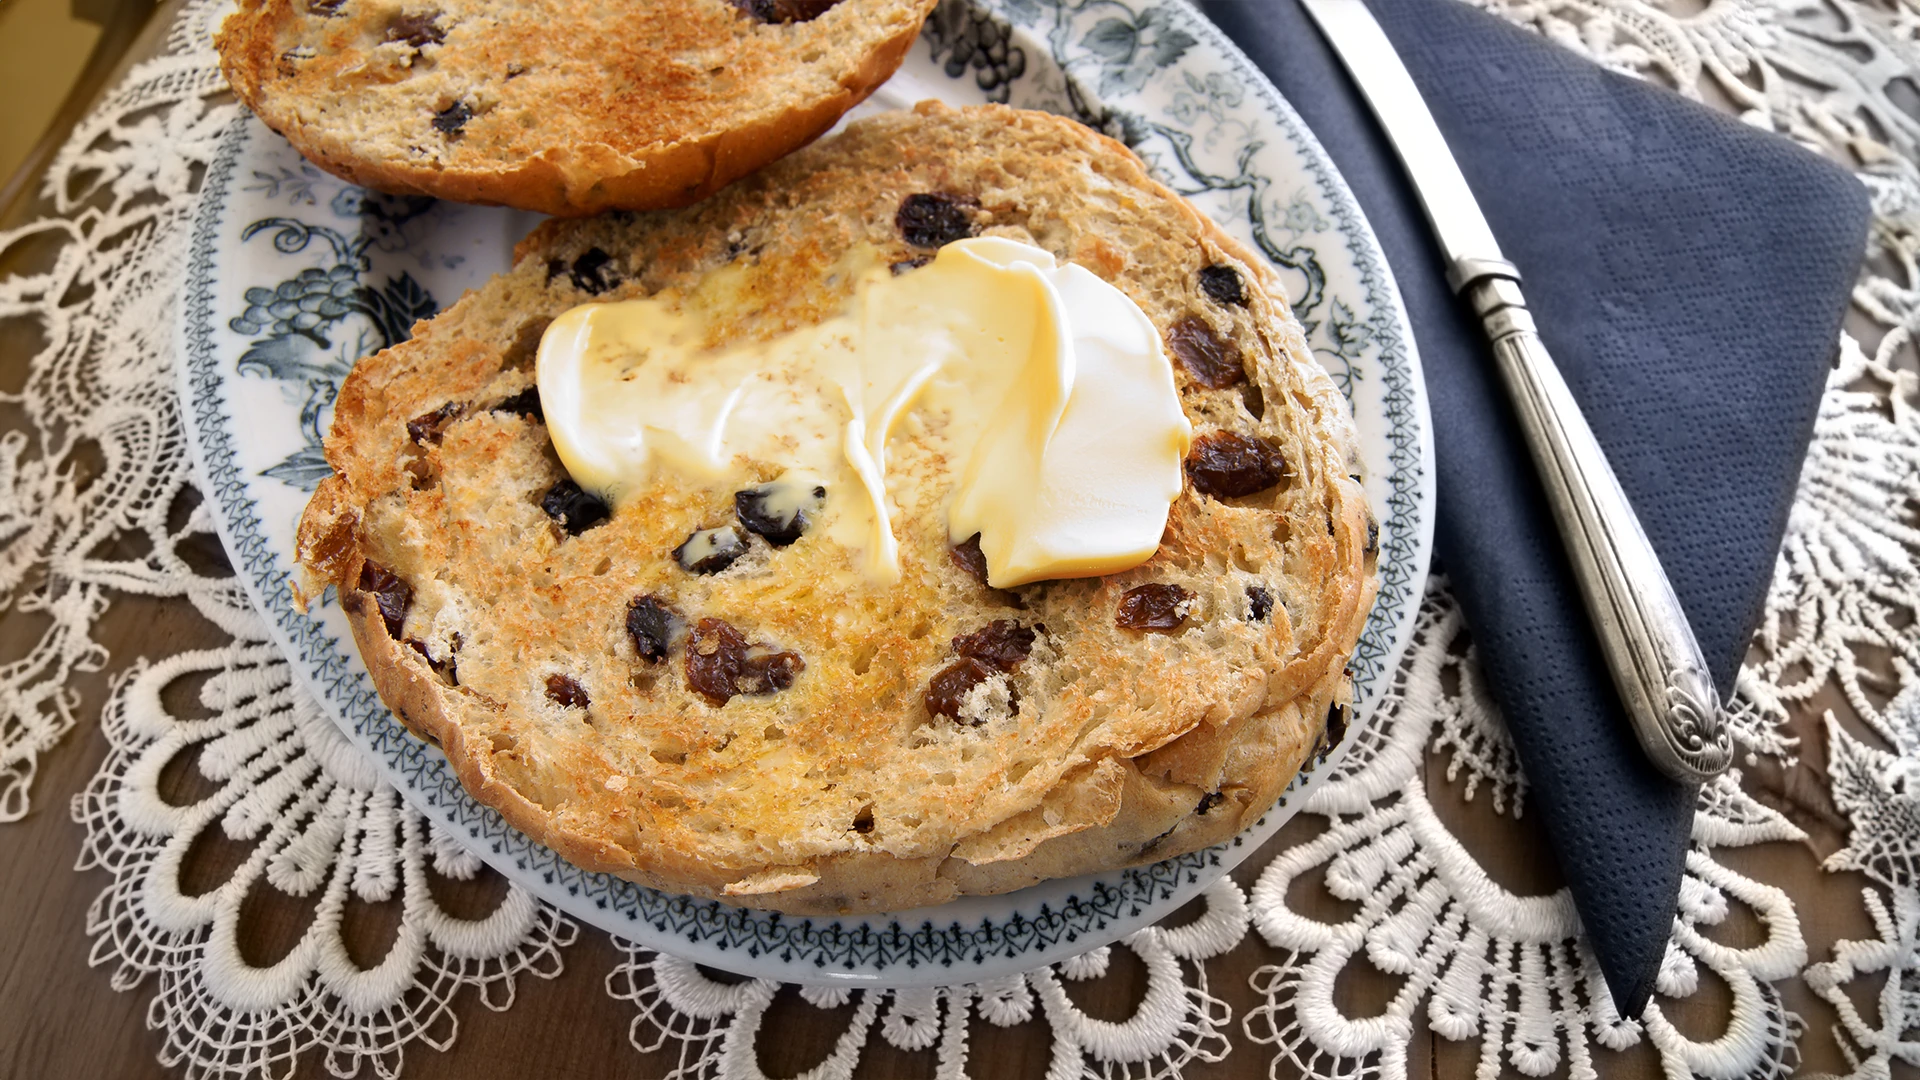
x,y
948,508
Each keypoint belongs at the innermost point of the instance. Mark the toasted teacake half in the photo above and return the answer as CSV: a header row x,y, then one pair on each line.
x,y
559,106
1147,713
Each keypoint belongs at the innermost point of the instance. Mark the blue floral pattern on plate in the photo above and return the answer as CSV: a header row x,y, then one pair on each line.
x,y
294,274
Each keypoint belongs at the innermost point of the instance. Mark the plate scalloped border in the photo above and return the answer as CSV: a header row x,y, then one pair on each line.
x,y
972,938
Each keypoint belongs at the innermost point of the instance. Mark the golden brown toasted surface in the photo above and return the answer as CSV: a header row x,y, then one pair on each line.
x,y
1117,738
561,106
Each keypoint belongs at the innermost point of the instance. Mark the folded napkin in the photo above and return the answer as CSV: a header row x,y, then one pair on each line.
x,y
1689,274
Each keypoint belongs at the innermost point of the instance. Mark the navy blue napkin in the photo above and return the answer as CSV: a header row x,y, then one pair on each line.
x,y
1689,274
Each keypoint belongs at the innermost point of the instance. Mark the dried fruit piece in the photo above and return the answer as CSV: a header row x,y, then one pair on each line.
x,y
576,509
947,691
929,220
419,29
770,672
593,272
1207,359
997,647
1153,606
777,511
1227,465
1222,285
1259,603
710,551
563,691
1208,801
721,664
450,120
429,427
784,11
650,623
901,266
1000,644
968,556
1336,730
393,595
1373,535
525,403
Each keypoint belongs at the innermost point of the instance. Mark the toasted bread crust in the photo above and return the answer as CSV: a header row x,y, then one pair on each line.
x,y
842,793
564,112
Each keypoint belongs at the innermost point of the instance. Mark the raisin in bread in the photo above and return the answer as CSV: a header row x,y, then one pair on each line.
x,y
650,701
556,105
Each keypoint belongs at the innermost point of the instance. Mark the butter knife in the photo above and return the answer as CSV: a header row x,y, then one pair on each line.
x,y
1650,650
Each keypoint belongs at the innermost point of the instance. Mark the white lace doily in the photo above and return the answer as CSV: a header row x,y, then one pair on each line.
x,y
1478,963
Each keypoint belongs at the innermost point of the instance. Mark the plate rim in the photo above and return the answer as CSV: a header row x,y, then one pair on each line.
x,y
201,393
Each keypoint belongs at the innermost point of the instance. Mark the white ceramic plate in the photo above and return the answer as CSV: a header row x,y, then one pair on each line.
x,y
293,275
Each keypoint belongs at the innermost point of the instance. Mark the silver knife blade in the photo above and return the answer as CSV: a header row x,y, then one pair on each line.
x,y
1375,66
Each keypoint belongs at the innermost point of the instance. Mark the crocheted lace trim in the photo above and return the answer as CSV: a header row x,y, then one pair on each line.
x,y
1478,961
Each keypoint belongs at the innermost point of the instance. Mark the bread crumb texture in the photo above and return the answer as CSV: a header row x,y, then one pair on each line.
x,y
559,106
762,732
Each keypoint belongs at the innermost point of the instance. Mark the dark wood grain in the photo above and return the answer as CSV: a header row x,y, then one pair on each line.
x,y
123,26
61,1018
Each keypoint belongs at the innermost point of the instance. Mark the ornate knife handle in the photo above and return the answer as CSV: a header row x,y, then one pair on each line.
x,y
1650,649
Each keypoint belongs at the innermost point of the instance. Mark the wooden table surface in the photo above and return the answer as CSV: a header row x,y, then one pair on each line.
x,y
60,1018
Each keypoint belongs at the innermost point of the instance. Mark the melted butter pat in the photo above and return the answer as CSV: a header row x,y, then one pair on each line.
x,y
1043,390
